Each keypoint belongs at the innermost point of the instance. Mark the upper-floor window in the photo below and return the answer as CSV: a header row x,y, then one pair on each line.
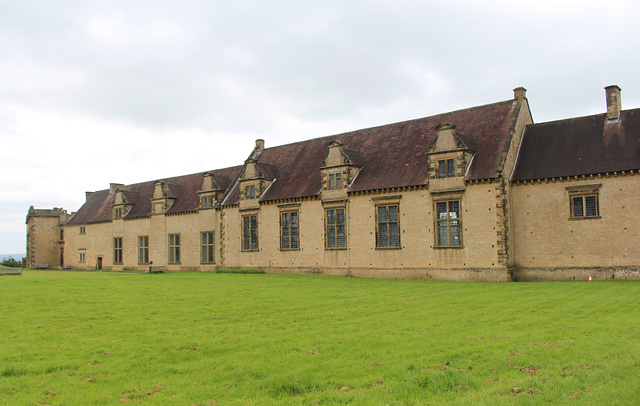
x,y
207,202
250,233
250,192
83,229
387,226
446,168
334,226
584,205
118,213
289,234
448,224
174,248
335,180
117,250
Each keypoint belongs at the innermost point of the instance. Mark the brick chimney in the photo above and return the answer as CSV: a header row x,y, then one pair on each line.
x,y
614,104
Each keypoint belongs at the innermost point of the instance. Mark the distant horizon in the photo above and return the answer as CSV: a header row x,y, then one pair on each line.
x,y
17,257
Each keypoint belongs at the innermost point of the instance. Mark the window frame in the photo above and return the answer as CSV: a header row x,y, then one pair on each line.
x,y
83,230
333,228
446,168
287,228
335,180
388,226
250,191
174,248
143,250
207,248
448,221
117,251
206,202
582,193
118,213
250,232
82,256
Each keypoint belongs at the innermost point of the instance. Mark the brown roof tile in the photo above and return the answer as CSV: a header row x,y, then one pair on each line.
x,y
580,146
183,188
392,155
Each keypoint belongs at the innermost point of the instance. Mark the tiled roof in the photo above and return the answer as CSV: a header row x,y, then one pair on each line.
x,y
183,189
392,155
580,146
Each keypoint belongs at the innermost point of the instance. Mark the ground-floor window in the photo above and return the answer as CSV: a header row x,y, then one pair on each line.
x,y
334,225
207,247
250,233
448,224
117,250
143,249
174,248
387,226
289,235
82,256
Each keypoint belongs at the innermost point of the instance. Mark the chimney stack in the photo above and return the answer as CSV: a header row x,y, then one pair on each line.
x,y
614,104
519,93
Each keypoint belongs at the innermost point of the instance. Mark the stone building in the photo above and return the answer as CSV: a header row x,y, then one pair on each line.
x,y
475,194
45,237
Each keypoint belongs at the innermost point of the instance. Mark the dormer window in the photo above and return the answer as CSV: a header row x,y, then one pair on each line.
x,y
335,180
250,192
118,213
446,168
207,202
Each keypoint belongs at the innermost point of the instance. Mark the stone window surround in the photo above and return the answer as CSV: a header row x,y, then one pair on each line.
x,y
254,239
447,196
584,191
387,201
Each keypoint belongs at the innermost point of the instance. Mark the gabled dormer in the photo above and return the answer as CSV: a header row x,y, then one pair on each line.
x,y
448,159
253,183
338,171
120,206
162,198
209,192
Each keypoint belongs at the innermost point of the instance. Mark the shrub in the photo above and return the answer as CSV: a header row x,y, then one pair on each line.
x,y
12,263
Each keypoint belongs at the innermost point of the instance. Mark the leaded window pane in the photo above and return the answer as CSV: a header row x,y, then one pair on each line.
x,y
443,234
341,240
591,206
578,207
331,237
383,214
442,210
450,168
454,234
394,235
383,239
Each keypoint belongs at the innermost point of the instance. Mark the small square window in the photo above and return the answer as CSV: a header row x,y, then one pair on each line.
x,y
335,180
585,206
250,192
83,229
207,202
446,168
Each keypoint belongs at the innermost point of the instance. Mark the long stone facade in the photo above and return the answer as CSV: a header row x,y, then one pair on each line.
x,y
476,194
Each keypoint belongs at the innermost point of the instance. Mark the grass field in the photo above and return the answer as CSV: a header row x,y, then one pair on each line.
x,y
80,338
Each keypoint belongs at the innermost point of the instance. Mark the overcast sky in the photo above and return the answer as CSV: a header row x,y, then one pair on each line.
x,y
93,92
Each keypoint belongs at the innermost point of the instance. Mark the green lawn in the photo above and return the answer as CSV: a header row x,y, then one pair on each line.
x,y
82,338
